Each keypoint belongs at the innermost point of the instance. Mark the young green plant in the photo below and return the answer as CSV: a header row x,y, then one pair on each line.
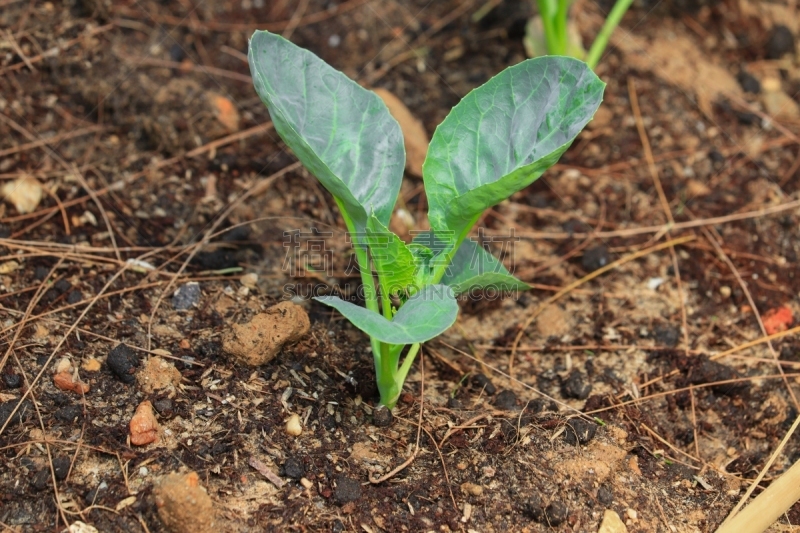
x,y
551,32
496,141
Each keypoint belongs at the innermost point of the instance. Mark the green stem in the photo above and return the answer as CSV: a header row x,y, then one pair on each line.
x,y
561,27
445,262
370,294
601,41
546,14
390,377
386,302
407,362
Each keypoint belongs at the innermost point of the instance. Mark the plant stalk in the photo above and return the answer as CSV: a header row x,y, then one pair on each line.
x,y
601,41
547,16
370,294
390,377
561,27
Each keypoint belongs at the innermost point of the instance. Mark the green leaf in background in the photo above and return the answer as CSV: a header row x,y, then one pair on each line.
x,y
340,131
472,267
503,135
392,258
424,316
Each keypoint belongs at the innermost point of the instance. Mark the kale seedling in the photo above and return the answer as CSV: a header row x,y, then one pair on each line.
x,y
496,141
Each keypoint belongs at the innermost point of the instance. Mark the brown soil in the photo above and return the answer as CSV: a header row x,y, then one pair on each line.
x,y
157,169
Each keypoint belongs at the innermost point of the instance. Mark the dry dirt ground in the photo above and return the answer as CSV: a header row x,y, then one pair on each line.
x,y
632,380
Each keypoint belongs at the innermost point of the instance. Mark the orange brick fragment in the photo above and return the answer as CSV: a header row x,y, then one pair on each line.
x,y
226,112
64,381
143,426
777,320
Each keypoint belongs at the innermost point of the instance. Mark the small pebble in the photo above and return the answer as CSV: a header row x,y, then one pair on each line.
x,y
454,403
790,353
217,260
781,41
293,426
667,335
176,53
91,365
143,425
605,496
706,371
472,489
576,386
157,374
250,280
74,297
533,508
12,381
186,296
23,414
293,468
748,82
63,365
506,400
541,405
382,417
347,490
183,504
93,496
61,467
81,527
210,349
612,523
595,258
41,273
725,291
62,286
716,157
163,407
482,382
746,118
41,479
579,431
122,361
69,413
556,513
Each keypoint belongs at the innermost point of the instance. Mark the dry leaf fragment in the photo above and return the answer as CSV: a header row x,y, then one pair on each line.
x,y
266,472
415,137
25,193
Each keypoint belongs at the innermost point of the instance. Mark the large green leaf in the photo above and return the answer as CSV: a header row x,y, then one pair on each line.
x,y
472,267
393,260
503,135
424,316
340,131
